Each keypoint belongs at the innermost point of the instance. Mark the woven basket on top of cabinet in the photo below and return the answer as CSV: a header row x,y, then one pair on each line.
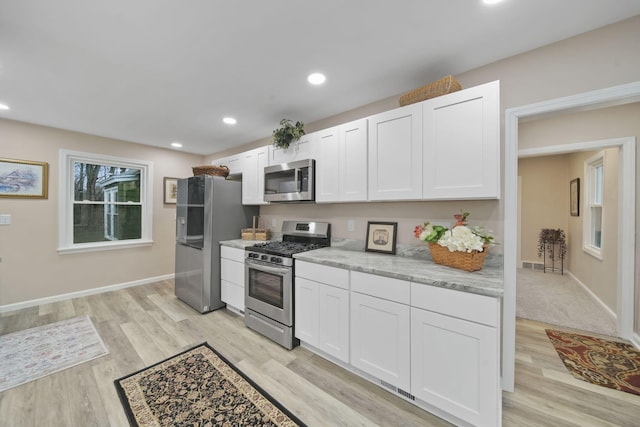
x,y
468,261
211,170
440,87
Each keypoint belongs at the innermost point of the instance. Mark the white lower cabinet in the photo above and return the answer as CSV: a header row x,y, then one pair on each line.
x,y
455,361
232,277
438,345
380,340
451,366
306,311
322,309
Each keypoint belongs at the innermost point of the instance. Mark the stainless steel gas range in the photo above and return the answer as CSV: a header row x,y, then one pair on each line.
x,y
269,279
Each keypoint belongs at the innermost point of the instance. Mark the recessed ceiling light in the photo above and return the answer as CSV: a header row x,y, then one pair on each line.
x,y
176,144
230,120
316,78
4,107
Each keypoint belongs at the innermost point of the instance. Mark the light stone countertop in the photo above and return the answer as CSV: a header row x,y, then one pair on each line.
x,y
414,264
488,281
239,243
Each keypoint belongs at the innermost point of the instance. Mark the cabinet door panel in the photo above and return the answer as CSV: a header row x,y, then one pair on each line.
x,y
327,166
455,366
334,322
462,144
253,162
306,311
353,161
232,253
333,276
232,271
380,339
395,154
232,294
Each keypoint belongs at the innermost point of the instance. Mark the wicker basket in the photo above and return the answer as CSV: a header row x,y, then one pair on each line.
x,y
468,261
254,234
440,87
211,170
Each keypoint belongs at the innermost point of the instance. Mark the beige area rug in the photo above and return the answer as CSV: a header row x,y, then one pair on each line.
x,y
199,387
559,300
37,352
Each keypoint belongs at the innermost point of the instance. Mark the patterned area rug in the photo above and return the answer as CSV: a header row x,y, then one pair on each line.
x,y
34,353
198,387
602,362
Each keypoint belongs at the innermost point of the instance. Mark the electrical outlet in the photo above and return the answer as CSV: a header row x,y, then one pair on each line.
x,y
351,225
5,219
273,222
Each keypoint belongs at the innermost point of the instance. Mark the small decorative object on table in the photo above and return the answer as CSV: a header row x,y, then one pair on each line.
x,y
459,247
288,133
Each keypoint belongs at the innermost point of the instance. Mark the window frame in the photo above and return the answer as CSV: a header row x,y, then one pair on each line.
x,y
590,166
67,158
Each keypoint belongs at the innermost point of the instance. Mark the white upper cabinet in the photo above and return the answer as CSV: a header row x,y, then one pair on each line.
x,y
254,162
302,149
327,166
341,165
461,157
234,163
395,154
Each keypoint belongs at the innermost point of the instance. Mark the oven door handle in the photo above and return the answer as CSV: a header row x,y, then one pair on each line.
x,y
269,269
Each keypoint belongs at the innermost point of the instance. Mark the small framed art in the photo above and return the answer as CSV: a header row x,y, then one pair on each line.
x,y
24,179
170,190
574,197
381,237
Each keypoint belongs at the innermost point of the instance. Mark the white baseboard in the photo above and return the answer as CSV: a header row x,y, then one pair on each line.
x,y
47,300
594,296
635,340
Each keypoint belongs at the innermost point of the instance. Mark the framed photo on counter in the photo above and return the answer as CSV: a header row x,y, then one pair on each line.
x,y
381,237
170,190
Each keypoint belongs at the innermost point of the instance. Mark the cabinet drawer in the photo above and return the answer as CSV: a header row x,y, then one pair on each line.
x,y
232,271
232,295
232,253
476,308
382,287
333,276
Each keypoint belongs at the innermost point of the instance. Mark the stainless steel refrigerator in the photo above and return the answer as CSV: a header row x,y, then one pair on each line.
x,y
208,209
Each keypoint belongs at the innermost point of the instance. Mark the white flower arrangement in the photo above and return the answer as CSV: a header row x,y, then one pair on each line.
x,y
459,238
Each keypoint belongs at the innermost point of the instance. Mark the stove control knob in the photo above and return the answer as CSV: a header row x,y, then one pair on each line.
x,y
264,257
276,260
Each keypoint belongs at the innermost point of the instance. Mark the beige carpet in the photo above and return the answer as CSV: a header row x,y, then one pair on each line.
x,y
559,300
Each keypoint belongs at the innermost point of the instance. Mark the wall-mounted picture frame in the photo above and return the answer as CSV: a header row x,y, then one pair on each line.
x,y
170,190
574,197
24,179
381,237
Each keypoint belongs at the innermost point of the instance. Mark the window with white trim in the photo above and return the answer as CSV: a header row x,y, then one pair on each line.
x,y
594,205
105,202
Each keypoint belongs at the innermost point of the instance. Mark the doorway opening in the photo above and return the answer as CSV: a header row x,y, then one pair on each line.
x,y
591,100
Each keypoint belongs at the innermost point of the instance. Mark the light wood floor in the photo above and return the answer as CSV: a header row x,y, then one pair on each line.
x,y
145,324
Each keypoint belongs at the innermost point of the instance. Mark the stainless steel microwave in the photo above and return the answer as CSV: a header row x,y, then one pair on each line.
x,y
290,182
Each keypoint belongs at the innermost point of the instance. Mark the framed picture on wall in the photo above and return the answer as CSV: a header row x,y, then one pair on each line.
x,y
381,237
170,190
574,197
24,179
